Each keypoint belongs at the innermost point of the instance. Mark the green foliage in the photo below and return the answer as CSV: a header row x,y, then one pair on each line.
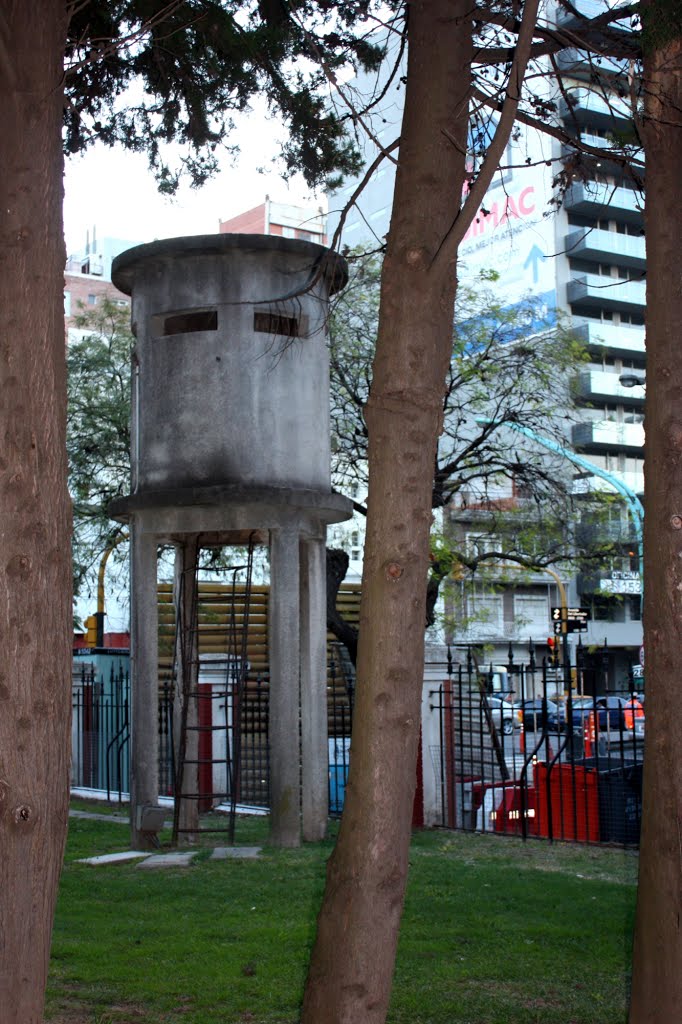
x,y
508,363
512,364
98,431
661,24
146,73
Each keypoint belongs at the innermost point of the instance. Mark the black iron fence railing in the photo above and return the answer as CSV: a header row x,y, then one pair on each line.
x,y
540,761
101,740
100,730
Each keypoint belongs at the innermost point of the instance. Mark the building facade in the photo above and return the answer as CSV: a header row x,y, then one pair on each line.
x,y
307,223
87,280
583,255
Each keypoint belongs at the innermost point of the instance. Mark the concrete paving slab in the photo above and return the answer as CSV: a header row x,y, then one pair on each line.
x,y
114,858
235,853
121,819
169,860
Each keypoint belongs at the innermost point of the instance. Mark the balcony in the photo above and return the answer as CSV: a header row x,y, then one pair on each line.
x,y
605,435
586,107
614,532
634,481
618,339
597,292
613,154
604,386
592,9
607,247
608,583
580,64
598,199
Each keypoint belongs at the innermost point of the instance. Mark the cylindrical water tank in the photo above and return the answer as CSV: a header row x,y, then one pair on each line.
x,y
230,370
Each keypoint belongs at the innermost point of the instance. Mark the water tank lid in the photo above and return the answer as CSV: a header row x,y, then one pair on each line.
x,y
333,266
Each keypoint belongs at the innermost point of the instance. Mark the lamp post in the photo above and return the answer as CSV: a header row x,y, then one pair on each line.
x,y
635,506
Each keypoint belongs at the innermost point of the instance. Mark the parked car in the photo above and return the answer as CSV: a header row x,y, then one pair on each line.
x,y
581,709
541,714
611,711
503,715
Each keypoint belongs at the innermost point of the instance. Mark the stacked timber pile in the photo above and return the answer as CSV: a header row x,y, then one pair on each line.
x,y
221,614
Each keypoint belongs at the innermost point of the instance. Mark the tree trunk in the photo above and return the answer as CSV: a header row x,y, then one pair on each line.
x,y
657,959
345,632
35,569
352,962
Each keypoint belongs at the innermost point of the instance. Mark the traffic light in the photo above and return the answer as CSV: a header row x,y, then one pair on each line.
x,y
553,648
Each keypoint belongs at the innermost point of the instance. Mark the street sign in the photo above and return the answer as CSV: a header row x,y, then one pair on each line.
x,y
576,619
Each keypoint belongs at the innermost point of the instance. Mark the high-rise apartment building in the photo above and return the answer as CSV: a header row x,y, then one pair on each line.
x,y
586,257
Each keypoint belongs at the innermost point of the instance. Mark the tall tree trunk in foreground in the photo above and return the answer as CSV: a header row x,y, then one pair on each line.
x,y
35,569
352,963
657,960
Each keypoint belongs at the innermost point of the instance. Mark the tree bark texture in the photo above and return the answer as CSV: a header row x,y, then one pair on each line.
x,y
352,963
35,567
657,958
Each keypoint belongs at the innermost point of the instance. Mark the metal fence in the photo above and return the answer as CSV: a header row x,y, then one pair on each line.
x,y
101,736
100,730
543,761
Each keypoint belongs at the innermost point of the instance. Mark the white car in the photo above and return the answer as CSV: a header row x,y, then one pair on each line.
x,y
504,714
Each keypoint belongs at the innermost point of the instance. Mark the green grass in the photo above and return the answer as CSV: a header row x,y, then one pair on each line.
x,y
495,932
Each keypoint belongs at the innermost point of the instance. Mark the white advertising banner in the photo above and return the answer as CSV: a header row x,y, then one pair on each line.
x,y
513,232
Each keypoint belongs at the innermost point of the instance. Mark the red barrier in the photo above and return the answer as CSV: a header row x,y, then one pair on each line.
x,y
572,794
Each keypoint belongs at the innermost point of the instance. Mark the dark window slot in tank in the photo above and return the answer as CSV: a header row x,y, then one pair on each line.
x,y
276,323
189,323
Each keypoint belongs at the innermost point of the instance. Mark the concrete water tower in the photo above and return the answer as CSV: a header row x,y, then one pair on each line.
x,y
230,435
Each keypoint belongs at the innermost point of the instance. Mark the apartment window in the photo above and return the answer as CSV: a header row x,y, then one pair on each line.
x,y
531,613
479,544
92,300
485,615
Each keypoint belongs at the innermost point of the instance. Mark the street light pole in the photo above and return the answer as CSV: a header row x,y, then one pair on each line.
x,y
634,504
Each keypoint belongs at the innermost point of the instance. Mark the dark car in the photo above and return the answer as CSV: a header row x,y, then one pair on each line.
x,y
541,714
581,709
610,712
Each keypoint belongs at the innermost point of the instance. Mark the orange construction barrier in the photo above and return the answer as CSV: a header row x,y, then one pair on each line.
x,y
589,735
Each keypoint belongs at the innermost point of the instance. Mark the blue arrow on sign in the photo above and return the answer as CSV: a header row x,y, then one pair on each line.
x,y
534,255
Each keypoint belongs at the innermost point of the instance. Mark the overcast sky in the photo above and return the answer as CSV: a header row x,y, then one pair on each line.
x,y
114,191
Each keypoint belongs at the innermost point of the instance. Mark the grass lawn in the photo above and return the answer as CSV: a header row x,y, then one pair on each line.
x,y
495,932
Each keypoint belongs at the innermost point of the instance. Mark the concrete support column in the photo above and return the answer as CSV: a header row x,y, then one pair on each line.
x,y
314,756
284,645
185,735
144,672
